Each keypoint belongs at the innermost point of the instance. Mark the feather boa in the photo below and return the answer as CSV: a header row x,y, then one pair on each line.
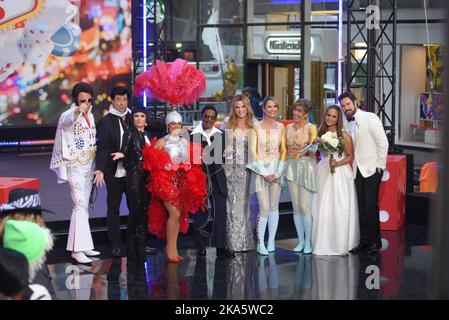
x,y
185,189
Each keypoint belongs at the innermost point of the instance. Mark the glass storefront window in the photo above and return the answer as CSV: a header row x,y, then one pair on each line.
x,y
263,11
181,20
221,11
420,107
321,11
320,69
221,60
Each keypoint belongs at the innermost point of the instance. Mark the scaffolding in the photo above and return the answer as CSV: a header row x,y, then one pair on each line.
x,y
375,72
148,44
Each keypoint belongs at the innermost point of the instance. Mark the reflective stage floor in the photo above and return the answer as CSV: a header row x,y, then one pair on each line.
x,y
399,272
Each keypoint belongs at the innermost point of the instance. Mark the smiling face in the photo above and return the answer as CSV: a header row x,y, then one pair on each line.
x,y
174,128
331,117
120,102
299,113
139,119
209,118
240,109
348,107
271,109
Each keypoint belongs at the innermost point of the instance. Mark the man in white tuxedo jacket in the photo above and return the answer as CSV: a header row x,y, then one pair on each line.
x,y
370,160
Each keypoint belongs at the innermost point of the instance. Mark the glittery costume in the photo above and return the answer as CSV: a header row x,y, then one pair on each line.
x,y
73,161
239,231
174,179
268,152
302,177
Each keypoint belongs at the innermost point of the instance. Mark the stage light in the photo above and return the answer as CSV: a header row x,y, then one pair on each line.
x,y
179,45
144,25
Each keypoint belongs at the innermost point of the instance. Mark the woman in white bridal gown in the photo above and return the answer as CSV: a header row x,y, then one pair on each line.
x,y
335,213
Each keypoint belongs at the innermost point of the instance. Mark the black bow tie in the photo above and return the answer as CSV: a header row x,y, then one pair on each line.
x,y
351,119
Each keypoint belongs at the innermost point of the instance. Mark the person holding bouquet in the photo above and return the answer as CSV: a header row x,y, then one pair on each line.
x,y
335,228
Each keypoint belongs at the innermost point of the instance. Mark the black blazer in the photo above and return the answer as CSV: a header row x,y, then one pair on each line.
x,y
133,142
108,140
215,170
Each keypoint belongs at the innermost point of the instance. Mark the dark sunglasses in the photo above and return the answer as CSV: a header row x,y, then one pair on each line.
x,y
84,101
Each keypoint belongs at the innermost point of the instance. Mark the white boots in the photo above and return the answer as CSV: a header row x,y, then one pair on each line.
x,y
297,219
261,226
91,253
273,221
80,257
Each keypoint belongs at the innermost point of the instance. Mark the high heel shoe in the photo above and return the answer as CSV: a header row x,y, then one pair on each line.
x,y
172,260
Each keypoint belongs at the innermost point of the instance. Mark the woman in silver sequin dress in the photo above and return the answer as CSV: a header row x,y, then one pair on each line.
x,y
239,231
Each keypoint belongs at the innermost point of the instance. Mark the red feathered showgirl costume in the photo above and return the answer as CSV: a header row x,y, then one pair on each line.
x,y
182,185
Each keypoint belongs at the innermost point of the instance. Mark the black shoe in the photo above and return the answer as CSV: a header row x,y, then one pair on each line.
x,y
374,249
116,252
361,248
223,253
150,250
201,253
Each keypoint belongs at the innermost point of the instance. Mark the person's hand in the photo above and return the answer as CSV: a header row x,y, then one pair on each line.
x,y
229,150
270,179
83,109
333,163
99,178
117,156
188,128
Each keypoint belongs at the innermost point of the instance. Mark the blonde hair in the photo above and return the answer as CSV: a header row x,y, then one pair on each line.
x,y
232,123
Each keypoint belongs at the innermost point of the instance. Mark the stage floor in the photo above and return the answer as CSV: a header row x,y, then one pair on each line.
x,y
54,196
282,275
402,265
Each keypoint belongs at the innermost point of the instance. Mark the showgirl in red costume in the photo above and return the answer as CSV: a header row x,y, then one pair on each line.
x,y
177,184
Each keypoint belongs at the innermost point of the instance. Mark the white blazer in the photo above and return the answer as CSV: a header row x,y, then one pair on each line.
x,y
370,143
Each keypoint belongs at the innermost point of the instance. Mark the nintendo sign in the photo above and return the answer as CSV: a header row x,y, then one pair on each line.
x,y
287,45
13,11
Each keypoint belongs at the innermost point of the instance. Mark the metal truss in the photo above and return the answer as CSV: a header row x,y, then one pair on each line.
x,y
377,68
148,44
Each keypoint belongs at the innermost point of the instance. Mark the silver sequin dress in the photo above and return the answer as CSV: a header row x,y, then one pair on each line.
x,y
239,231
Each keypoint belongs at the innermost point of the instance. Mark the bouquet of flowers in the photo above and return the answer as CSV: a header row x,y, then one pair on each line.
x,y
331,143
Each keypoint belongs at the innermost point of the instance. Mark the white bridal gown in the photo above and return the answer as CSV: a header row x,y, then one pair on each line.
x,y
335,213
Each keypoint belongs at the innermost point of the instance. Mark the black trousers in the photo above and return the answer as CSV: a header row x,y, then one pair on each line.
x,y
217,231
368,198
115,188
138,200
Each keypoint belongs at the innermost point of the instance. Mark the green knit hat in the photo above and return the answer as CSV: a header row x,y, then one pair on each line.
x,y
26,237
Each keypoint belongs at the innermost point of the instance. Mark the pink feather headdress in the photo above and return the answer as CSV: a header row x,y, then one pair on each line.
x,y
176,83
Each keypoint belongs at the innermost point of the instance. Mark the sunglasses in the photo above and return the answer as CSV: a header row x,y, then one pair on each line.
x,y
84,101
